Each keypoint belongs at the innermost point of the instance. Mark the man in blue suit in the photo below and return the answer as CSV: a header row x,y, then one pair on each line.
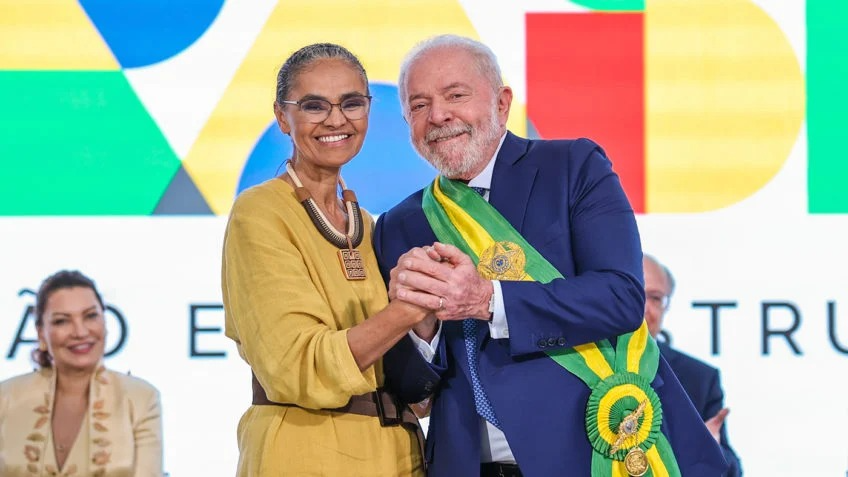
x,y
511,395
701,381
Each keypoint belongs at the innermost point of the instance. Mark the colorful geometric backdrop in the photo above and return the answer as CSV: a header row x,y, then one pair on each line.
x,y
698,103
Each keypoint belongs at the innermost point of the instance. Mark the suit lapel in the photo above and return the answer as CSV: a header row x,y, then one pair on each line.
x,y
669,354
421,231
512,180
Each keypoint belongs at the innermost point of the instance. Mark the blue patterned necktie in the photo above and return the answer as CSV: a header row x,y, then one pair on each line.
x,y
469,332
481,401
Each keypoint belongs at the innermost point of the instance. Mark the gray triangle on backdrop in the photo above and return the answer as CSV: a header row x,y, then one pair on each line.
x,y
532,133
182,197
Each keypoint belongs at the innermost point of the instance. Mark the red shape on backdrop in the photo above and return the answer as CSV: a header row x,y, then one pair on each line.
x,y
585,78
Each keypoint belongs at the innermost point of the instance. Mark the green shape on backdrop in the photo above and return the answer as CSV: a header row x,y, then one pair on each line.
x,y
612,5
83,144
827,101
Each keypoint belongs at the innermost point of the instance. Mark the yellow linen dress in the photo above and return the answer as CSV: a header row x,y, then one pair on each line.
x,y
121,434
288,306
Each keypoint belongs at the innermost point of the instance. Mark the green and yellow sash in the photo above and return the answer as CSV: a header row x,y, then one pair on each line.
x,y
623,414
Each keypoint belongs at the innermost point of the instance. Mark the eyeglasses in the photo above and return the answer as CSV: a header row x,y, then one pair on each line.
x,y
318,110
658,299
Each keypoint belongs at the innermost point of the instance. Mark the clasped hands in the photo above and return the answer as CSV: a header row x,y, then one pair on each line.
x,y
442,279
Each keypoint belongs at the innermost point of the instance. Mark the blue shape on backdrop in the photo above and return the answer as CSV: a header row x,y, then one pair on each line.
x,y
386,170
144,32
267,160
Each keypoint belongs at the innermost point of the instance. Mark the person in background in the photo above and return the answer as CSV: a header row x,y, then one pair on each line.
x,y
538,357
73,416
701,381
303,296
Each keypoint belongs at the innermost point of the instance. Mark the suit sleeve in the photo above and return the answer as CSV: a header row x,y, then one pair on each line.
x,y
147,434
275,313
408,374
604,296
715,403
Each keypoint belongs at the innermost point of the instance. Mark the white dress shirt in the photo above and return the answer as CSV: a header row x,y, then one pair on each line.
x,y
493,445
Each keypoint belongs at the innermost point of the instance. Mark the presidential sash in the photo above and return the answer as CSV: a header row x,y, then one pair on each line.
x,y
623,413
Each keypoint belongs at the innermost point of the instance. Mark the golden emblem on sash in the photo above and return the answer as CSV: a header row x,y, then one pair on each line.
x,y
635,462
502,261
628,427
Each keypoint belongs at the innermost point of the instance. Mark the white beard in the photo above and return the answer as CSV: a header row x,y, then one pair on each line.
x,y
454,160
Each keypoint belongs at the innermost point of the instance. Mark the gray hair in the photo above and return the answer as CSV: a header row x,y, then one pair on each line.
x,y
665,270
305,56
485,60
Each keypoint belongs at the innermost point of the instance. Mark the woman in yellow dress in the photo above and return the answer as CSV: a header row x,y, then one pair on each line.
x,y
73,417
304,299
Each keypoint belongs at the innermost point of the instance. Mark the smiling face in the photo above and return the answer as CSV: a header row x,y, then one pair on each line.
x,y
73,328
456,114
336,140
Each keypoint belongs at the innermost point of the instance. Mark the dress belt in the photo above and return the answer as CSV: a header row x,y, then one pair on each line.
x,y
380,403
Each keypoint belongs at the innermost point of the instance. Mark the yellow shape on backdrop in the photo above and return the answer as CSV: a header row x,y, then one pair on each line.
x,y
724,102
379,32
50,35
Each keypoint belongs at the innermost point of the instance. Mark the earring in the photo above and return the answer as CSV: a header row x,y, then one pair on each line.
x,y
42,346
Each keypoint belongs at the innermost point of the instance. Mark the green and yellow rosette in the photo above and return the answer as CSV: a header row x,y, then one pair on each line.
x,y
623,413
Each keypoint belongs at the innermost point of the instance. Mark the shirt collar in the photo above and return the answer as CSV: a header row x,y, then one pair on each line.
x,y
484,178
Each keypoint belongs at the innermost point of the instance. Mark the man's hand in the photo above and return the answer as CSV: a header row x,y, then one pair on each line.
x,y
714,424
451,287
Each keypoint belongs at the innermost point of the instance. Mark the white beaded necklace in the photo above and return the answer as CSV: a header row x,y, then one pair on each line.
x,y
350,258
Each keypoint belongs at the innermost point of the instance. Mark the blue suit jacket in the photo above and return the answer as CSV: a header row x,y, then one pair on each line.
x,y
703,385
563,197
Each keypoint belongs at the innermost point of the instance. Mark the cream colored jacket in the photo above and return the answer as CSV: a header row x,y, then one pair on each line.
x,y
121,435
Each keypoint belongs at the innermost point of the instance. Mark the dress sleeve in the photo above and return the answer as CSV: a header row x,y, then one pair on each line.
x,y
147,435
280,319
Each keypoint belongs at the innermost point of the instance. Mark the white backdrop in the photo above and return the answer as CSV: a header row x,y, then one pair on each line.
x,y
763,252
153,270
